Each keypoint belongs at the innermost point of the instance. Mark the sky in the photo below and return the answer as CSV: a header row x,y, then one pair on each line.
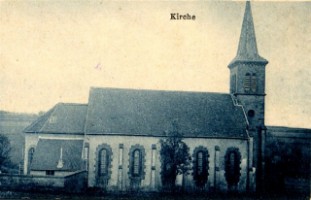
x,y
54,51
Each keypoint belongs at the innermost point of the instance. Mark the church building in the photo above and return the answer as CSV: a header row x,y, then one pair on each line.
x,y
115,137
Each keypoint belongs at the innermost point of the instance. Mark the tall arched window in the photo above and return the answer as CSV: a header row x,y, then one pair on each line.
x,y
31,153
136,162
232,166
136,166
103,162
200,162
103,165
200,166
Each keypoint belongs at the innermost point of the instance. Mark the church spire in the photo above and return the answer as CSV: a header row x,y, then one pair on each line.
x,y
247,50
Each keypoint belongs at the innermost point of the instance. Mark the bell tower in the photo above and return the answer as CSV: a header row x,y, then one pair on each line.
x,y
247,86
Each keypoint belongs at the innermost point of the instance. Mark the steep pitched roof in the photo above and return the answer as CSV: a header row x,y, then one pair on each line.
x,y
47,155
247,50
147,112
62,118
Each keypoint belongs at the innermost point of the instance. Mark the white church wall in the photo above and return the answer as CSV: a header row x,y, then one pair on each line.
x,y
31,141
116,179
119,179
218,181
56,173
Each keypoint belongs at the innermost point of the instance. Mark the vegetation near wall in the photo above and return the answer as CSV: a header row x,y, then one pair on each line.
x,y
5,149
72,183
175,158
288,161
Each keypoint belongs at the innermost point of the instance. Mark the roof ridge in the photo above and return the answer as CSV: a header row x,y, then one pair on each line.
x,y
53,138
73,104
156,90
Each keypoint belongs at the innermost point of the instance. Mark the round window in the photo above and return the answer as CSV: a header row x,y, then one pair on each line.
x,y
251,113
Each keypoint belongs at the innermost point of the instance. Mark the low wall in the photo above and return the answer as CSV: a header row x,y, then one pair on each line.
x,y
76,182
72,183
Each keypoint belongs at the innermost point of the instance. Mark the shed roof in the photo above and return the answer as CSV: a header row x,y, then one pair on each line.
x,y
47,155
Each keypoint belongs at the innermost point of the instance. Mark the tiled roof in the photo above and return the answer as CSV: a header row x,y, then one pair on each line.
x,y
62,118
47,155
147,112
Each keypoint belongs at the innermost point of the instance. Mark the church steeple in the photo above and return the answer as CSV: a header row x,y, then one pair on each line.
x,y
247,84
247,50
248,71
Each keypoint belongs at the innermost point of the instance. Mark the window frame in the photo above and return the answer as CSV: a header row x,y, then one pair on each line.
x,y
250,83
103,178
136,163
50,173
103,167
233,167
139,162
200,176
31,152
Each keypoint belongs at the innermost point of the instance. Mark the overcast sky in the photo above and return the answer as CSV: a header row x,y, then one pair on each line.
x,y
54,52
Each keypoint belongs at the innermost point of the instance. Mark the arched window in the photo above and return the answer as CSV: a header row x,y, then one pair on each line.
x,y
232,166
200,162
136,162
103,162
232,161
200,166
250,83
103,165
136,166
31,153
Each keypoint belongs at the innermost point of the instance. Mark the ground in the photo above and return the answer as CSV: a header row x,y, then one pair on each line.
x,y
150,196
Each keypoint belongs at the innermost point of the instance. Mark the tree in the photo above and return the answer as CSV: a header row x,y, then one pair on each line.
x,y
175,158
5,149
